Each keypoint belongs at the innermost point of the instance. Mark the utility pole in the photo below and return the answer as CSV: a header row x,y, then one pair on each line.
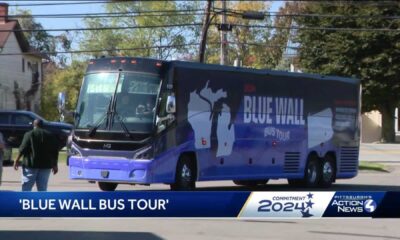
x,y
224,37
204,31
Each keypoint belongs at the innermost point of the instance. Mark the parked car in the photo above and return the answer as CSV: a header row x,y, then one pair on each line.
x,y
14,124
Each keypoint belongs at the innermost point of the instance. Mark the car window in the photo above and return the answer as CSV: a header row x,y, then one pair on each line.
x,y
4,118
20,119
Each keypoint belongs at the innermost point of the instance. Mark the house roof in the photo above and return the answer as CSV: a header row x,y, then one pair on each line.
x,y
4,35
13,26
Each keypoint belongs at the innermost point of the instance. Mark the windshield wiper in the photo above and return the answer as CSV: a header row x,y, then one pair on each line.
x,y
123,125
92,130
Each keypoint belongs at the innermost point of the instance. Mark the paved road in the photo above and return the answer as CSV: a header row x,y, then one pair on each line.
x,y
365,181
154,229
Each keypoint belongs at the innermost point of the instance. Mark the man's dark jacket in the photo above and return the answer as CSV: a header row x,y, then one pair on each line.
x,y
39,148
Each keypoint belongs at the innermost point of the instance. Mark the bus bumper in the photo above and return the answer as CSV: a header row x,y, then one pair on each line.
x,y
110,169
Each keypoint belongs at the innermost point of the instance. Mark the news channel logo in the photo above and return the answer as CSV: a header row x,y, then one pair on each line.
x,y
353,204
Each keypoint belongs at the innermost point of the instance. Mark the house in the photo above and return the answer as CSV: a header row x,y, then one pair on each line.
x,y
20,67
372,126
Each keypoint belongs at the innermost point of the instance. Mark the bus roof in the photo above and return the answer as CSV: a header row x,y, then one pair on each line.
x,y
125,64
155,66
294,75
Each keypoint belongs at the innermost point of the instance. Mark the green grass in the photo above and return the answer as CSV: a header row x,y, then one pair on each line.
x,y
62,156
372,166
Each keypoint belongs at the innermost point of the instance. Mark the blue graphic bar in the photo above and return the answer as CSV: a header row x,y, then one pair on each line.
x,y
121,204
201,204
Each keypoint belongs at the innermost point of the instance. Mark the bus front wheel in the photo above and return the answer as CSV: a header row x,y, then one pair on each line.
x,y
185,176
312,174
107,186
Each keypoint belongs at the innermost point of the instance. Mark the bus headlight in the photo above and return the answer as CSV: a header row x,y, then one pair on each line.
x,y
73,151
144,153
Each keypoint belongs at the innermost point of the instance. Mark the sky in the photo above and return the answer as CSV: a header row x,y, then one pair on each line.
x,y
72,22
60,23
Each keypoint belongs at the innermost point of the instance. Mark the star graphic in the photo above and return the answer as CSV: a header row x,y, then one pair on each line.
x,y
310,195
309,203
306,213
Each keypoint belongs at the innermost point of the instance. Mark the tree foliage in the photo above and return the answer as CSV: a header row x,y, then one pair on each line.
x,y
57,80
112,40
41,41
248,44
372,56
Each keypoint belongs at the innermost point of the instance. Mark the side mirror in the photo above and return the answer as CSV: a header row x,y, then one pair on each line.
x,y
171,105
61,104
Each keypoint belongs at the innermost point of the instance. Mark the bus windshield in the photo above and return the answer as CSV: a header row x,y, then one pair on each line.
x,y
134,97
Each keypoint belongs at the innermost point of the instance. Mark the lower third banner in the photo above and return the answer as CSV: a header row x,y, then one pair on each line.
x,y
201,204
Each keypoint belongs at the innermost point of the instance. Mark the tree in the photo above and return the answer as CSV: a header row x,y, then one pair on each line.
x,y
250,45
372,56
143,38
41,41
68,80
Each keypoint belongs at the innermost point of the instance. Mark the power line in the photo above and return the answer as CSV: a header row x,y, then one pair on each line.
x,y
262,45
140,48
186,11
235,13
101,50
276,14
102,28
67,2
216,24
55,3
193,12
104,15
322,28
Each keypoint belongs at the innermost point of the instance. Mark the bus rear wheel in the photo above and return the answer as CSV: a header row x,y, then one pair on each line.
x,y
250,183
185,176
107,186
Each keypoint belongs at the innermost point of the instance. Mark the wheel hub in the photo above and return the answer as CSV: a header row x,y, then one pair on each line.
x,y
327,171
312,173
186,174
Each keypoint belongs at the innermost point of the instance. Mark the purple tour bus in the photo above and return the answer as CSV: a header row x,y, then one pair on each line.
x,y
144,121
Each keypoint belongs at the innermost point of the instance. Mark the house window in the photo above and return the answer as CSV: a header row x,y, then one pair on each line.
x,y
23,65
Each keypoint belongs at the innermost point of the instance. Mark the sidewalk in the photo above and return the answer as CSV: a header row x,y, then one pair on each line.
x,y
380,152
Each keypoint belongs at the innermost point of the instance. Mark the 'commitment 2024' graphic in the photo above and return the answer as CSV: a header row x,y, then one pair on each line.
x,y
286,204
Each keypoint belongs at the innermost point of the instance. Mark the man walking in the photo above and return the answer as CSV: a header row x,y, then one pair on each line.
x,y
40,151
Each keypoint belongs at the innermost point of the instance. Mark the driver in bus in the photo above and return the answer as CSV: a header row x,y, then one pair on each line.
x,y
145,109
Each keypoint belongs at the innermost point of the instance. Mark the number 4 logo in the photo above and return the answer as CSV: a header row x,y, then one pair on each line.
x,y
369,205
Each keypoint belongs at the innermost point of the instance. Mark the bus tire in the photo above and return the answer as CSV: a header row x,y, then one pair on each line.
x,y
328,171
185,176
250,183
312,174
107,186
